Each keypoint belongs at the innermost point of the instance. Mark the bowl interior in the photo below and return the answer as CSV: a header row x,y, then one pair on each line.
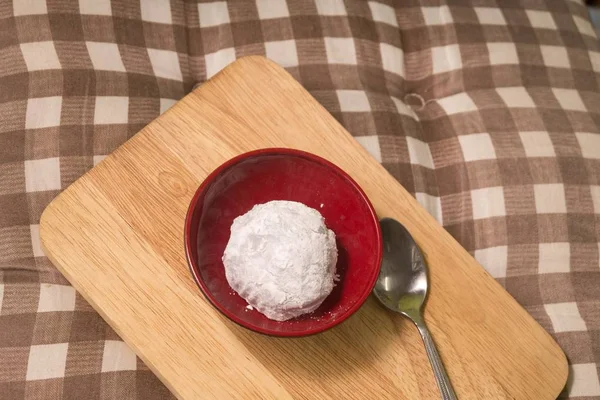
x,y
236,187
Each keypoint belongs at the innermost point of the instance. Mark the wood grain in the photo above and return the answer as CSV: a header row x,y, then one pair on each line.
x,y
117,235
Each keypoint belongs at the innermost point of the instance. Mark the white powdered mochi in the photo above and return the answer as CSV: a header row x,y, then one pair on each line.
x,y
281,259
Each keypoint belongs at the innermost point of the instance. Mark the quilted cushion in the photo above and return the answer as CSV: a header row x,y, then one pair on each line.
x,y
488,112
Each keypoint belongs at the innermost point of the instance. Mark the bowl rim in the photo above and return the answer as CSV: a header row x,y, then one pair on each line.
x,y
194,269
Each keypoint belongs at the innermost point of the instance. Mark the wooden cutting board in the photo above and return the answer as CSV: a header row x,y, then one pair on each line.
x,y
117,235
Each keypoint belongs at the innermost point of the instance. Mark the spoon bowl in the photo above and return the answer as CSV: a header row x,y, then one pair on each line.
x,y
402,282
402,287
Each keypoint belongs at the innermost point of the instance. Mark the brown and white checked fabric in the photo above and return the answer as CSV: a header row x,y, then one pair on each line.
x,y
488,111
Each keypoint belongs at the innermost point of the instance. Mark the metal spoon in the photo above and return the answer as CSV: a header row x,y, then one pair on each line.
x,y
402,287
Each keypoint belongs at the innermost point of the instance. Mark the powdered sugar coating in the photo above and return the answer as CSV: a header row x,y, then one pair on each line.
x,y
281,259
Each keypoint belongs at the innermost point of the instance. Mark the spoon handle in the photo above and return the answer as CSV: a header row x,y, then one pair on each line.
x,y
439,371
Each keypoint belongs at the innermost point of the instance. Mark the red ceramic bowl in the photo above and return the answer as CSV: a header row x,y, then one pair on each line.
x,y
284,174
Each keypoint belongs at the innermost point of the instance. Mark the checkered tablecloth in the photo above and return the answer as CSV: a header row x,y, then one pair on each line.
x,y
487,111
